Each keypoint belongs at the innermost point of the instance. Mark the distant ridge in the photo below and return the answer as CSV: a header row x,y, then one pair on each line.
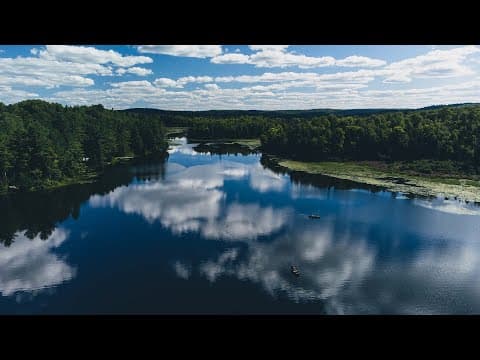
x,y
286,113
432,107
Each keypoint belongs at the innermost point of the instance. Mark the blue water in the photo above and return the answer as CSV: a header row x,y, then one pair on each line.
x,y
217,234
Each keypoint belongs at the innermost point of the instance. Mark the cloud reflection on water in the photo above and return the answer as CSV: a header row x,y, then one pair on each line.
x,y
328,266
449,206
341,267
347,275
29,265
192,199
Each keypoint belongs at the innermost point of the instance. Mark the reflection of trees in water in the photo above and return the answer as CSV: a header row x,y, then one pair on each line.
x,y
318,180
224,149
152,168
37,213
324,181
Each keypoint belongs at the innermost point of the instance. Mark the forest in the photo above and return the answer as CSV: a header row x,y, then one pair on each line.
x,y
450,134
43,144
242,127
439,134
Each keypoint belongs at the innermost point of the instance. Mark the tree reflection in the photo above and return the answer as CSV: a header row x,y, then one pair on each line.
x,y
38,213
317,180
224,149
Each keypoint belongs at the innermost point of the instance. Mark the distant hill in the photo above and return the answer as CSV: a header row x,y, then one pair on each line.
x,y
433,107
266,113
282,113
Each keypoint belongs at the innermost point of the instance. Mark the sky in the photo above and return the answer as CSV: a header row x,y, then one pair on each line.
x,y
253,77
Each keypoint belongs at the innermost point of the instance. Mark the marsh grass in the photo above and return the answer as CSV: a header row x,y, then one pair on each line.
x,y
391,177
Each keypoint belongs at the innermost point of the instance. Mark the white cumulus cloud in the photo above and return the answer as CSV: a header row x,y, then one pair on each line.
x,y
135,71
196,51
84,54
360,61
434,64
270,56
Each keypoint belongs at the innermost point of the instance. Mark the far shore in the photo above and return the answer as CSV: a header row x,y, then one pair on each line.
x,y
454,187
450,186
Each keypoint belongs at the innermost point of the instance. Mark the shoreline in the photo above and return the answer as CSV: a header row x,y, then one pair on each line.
x,y
398,182
87,179
90,177
377,174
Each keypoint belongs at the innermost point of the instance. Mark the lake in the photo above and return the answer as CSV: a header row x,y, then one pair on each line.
x,y
217,233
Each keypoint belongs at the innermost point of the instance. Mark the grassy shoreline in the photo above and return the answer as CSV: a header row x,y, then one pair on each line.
x,y
402,177
453,186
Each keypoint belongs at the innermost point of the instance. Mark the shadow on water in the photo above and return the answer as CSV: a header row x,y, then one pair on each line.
x,y
37,213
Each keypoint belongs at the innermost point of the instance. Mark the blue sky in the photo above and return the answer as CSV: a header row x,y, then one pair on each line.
x,y
204,77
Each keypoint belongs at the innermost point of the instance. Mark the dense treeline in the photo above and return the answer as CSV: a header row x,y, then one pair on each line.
x,y
243,127
177,118
216,124
440,134
43,144
435,133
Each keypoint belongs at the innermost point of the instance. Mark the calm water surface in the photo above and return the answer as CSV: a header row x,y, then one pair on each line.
x,y
217,234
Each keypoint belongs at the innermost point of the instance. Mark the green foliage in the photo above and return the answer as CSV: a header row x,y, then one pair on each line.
x,y
243,127
438,134
435,133
42,144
